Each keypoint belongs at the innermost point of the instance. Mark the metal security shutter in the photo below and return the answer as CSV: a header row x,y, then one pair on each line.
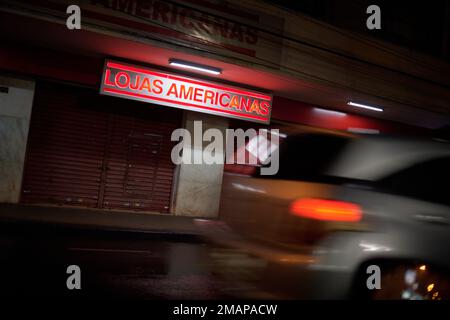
x,y
139,170
96,151
65,150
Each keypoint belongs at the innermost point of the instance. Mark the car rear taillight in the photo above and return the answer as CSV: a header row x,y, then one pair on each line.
x,y
326,210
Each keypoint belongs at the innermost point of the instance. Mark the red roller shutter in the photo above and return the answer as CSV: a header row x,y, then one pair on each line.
x,y
95,151
139,172
65,149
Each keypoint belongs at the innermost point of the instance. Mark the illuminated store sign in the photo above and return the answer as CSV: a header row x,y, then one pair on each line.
x,y
153,86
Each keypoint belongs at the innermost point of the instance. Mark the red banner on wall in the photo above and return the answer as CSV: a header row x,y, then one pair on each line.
x,y
153,86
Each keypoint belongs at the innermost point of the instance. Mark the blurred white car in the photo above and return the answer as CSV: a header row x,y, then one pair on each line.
x,y
338,204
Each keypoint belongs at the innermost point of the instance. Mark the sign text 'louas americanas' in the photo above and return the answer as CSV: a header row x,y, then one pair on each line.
x,y
137,83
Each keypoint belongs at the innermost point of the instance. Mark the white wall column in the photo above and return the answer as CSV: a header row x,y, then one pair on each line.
x,y
198,186
16,99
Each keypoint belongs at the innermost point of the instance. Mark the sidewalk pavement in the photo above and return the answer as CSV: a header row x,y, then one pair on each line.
x,y
99,219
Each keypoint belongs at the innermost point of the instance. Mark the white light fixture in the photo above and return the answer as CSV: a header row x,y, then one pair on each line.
x,y
281,135
329,112
359,105
363,130
194,66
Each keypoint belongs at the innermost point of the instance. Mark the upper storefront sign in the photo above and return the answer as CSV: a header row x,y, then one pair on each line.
x,y
216,26
158,87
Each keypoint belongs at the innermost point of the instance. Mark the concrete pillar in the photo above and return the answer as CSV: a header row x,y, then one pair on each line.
x,y
16,99
198,186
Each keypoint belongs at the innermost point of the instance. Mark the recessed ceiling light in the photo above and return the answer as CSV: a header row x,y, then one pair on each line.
x,y
363,130
194,66
359,105
329,112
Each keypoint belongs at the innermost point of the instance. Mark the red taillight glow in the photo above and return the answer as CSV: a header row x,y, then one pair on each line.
x,y
326,210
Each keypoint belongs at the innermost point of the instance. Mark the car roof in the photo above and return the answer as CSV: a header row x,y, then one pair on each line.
x,y
374,157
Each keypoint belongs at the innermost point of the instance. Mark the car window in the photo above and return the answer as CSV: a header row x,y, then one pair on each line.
x,y
426,181
307,157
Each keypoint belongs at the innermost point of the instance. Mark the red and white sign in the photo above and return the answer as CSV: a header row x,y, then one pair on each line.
x,y
152,86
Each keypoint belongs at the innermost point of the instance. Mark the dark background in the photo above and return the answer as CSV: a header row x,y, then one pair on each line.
x,y
422,26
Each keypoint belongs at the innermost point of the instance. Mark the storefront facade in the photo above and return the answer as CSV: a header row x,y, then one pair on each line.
x,y
92,133
86,149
